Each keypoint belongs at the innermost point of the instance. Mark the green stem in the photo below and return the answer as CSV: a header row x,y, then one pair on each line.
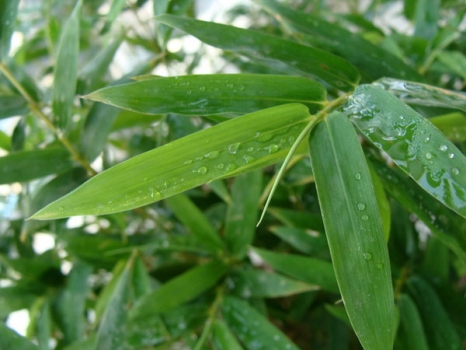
x,y
38,112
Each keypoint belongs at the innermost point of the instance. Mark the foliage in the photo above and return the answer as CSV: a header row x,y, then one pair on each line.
x,y
347,137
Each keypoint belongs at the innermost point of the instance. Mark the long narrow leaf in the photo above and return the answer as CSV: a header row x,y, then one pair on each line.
x,y
411,334
10,340
354,230
260,138
263,47
8,12
413,143
212,94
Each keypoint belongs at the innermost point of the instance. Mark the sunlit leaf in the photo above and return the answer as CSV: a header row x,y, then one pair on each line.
x,y
212,94
310,270
180,289
264,47
354,230
65,71
29,165
422,94
413,143
260,139
8,11
252,328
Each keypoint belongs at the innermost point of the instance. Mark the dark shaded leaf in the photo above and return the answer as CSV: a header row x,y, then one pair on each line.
x,y
8,12
10,340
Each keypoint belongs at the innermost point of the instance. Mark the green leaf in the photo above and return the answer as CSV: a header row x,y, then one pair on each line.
x,y
8,12
30,165
12,106
253,283
413,143
369,58
253,329
240,225
426,18
382,201
180,289
11,340
438,328
452,125
422,94
454,60
141,279
212,94
178,166
195,221
223,338
115,9
354,230
306,241
65,72
112,328
310,270
15,298
410,334
264,47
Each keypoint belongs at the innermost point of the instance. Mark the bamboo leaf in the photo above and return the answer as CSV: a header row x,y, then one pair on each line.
x,y
11,340
369,58
422,94
223,338
242,213
263,47
310,270
413,143
29,165
212,94
411,334
454,60
354,230
306,241
195,221
12,106
253,329
8,12
115,9
452,125
178,166
65,73
180,289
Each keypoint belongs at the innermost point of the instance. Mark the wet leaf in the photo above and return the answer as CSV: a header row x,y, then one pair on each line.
x,y
411,334
413,143
241,220
369,58
354,230
29,165
180,289
212,94
195,221
253,283
11,340
439,329
178,166
252,328
8,12
422,94
65,72
263,47
313,271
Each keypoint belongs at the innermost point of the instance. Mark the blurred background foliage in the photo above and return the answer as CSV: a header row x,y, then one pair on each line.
x,y
81,279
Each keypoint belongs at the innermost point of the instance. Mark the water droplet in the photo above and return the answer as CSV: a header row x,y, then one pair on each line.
x,y
233,148
202,170
250,149
109,202
202,88
361,206
427,139
151,192
166,184
357,176
188,92
451,155
455,171
61,208
263,138
242,87
231,167
443,148
367,256
273,148
248,159
380,266
144,179
365,217
276,337
291,140
220,166
429,155
188,161
212,154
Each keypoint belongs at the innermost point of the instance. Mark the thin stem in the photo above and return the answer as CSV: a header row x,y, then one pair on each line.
x,y
38,112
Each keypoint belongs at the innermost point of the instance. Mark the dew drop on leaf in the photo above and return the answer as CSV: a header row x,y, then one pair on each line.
x,y
212,154
361,206
365,217
367,256
273,148
357,176
443,148
202,170
455,171
61,208
233,148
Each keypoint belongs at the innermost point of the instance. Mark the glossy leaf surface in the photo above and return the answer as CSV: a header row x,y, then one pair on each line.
x,y
29,165
212,94
412,142
369,58
65,73
258,46
354,230
8,11
253,329
422,94
180,289
260,138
